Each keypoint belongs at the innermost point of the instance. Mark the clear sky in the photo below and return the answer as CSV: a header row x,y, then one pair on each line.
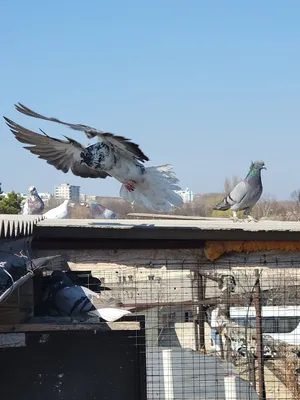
x,y
205,85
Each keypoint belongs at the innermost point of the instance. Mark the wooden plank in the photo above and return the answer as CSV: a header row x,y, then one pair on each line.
x,y
27,288
167,216
26,298
265,259
11,315
47,327
11,301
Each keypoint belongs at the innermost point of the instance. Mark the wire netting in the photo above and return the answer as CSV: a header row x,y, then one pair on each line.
x,y
212,330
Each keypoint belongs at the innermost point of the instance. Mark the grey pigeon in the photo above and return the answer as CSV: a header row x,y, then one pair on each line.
x,y
112,155
74,301
100,212
33,205
245,194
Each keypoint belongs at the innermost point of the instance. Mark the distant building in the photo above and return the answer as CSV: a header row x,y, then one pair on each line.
x,y
187,195
67,192
45,197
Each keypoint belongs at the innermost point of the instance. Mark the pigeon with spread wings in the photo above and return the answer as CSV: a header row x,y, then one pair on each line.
x,y
112,155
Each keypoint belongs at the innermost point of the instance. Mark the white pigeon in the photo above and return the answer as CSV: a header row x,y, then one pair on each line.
x,y
112,155
33,205
60,212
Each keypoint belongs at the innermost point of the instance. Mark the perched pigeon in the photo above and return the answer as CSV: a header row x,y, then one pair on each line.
x,y
82,278
72,300
100,212
33,205
115,156
245,194
60,212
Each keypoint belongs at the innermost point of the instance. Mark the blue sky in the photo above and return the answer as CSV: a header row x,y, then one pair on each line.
x,y
206,86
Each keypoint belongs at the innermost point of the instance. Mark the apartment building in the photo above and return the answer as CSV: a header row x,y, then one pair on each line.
x,y
67,192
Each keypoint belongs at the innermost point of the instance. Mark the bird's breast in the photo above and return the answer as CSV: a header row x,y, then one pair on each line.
x,y
99,156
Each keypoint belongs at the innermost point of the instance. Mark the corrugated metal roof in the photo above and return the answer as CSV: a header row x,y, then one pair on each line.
x,y
204,225
14,226
159,231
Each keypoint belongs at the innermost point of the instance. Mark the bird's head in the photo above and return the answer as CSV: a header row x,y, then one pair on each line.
x,y
257,165
32,190
58,276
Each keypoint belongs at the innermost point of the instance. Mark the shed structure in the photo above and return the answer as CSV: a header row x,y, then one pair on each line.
x,y
171,273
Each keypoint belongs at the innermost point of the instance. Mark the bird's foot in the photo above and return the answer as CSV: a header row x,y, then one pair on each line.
x,y
236,219
130,185
251,219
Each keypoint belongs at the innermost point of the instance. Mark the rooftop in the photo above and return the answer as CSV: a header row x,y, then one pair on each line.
x,y
183,230
205,229
12,226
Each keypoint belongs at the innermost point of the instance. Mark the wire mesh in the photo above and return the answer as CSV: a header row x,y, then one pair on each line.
x,y
204,335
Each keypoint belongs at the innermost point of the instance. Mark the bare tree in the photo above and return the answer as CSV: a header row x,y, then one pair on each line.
x,y
295,196
229,184
79,212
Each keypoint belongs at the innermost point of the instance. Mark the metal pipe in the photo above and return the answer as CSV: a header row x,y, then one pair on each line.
x,y
259,339
201,312
230,387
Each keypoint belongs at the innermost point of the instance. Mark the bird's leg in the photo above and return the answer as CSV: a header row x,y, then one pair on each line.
x,y
130,185
235,217
247,212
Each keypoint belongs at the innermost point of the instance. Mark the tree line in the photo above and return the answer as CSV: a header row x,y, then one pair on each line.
x,y
202,205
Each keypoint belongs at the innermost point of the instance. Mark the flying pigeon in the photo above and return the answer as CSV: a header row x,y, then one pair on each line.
x,y
112,155
245,194
33,205
100,212
60,212
74,301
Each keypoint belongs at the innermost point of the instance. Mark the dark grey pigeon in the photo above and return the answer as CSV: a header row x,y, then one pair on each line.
x,y
74,301
245,194
33,205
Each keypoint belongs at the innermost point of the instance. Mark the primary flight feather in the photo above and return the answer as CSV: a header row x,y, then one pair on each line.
x,y
112,155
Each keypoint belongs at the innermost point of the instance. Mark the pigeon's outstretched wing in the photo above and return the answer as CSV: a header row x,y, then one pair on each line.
x,y
119,143
62,154
234,197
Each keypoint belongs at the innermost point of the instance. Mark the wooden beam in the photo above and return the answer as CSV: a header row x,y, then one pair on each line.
x,y
48,327
168,216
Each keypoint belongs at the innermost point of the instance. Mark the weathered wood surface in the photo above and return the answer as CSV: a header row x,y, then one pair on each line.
x,y
180,259
40,324
172,217
19,306
171,259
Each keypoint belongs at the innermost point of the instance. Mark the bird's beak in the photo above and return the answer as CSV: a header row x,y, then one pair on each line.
x,y
264,168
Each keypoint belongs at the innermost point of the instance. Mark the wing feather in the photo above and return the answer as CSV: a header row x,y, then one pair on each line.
x,y
62,154
118,143
239,192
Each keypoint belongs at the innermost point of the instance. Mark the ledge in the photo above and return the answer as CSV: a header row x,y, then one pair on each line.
x,y
52,324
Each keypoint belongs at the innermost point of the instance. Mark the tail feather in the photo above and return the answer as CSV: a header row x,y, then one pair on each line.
x,y
223,205
157,191
109,314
